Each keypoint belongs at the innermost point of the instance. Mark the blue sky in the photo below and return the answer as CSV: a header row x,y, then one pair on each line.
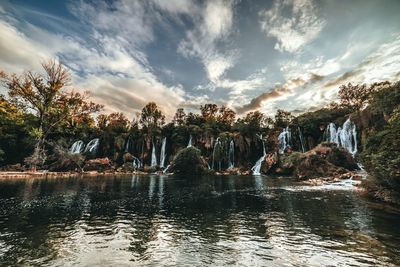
x,y
248,55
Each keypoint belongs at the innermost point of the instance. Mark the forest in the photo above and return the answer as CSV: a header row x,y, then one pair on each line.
x,y
45,124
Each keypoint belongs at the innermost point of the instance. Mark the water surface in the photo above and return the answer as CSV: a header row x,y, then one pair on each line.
x,y
188,221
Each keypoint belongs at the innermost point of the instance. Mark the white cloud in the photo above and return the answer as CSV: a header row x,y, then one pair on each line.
x,y
213,24
130,86
293,23
176,6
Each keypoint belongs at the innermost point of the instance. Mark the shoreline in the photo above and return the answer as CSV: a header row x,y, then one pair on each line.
x,y
47,174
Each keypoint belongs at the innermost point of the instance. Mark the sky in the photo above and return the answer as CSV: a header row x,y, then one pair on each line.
x,y
246,55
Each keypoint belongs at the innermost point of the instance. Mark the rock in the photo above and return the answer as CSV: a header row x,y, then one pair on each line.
x,y
189,161
127,157
99,164
269,163
325,160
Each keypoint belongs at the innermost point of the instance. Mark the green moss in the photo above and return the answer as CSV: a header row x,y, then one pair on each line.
x,y
189,161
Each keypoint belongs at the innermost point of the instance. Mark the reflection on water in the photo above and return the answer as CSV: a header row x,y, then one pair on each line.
x,y
163,220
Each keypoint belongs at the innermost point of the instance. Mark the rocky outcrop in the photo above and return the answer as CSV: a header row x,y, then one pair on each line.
x,y
325,160
189,161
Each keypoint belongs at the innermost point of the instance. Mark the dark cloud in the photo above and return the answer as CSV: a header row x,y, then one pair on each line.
x,y
279,90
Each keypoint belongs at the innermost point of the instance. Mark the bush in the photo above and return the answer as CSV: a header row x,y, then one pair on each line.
x,y
381,157
189,161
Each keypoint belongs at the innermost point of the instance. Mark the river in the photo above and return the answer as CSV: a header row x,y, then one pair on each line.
x,y
191,221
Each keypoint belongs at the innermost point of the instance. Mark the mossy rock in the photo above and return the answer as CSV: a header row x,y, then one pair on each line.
x,y
189,161
325,160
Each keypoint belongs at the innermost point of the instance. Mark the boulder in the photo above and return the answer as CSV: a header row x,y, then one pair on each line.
x,y
189,161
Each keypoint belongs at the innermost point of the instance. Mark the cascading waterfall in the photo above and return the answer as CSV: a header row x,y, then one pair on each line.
x,y
162,155
331,133
348,136
92,146
301,137
217,143
231,155
128,144
284,140
153,156
256,169
190,141
136,163
345,136
77,147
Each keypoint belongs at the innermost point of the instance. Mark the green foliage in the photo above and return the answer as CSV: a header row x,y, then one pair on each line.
x,y
381,158
283,118
356,97
189,161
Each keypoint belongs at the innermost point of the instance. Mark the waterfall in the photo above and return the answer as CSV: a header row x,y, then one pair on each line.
x,y
136,163
128,144
166,169
77,147
256,169
92,146
348,136
284,140
331,132
231,155
217,143
153,156
162,155
190,141
301,137
345,136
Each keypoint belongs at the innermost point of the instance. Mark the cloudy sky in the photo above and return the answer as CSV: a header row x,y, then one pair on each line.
x,y
248,55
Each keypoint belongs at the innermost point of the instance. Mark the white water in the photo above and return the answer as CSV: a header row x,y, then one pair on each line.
x,y
92,146
256,169
190,141
153,156
217,143
284,140
345,136
231,155
128,144
136,163
166,169
77,147
162,155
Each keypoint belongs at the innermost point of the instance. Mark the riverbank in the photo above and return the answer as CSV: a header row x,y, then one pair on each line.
x,y
48,174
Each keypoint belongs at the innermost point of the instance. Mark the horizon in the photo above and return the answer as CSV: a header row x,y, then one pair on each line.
x,y
248,56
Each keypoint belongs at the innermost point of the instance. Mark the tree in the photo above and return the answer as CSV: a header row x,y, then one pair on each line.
x,y
180,117
15,143
116,121
209,111
283,118
226,115
357,96
46,97
152,118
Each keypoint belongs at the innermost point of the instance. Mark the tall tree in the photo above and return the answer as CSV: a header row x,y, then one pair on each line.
x,y
152,117
45,95
283,118
226,115
179,117
356,96
209,111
